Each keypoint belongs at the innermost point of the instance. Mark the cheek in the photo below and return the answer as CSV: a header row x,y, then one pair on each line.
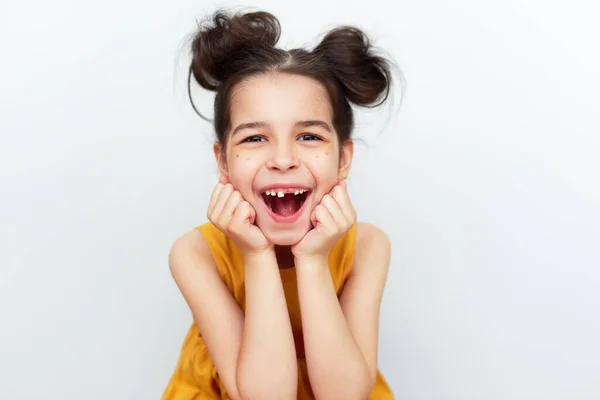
x,y
242,169
323,165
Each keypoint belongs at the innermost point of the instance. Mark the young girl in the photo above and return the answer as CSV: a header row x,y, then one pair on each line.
x,y
284,285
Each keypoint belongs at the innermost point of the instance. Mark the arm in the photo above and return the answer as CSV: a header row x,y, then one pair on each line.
x,y
267,367
243,349
340,337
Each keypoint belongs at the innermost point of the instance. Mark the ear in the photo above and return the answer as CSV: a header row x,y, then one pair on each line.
x,y
221,159
346,154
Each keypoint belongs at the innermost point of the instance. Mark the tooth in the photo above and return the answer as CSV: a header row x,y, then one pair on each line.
x,y
280,194
296,192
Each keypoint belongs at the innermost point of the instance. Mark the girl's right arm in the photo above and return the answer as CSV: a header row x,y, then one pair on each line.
x,y
214,309
254,354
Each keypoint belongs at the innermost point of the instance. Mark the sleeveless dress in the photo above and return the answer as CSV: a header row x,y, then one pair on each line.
x,y
195,376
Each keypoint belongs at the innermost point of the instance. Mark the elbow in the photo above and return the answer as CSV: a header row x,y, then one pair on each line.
x,y
258,391
353,391
359,390
254,385
353,385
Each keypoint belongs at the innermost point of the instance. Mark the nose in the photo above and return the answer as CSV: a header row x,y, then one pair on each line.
x,y
282,158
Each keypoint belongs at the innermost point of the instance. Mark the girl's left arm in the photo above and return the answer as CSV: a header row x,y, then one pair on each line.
x,y
341,336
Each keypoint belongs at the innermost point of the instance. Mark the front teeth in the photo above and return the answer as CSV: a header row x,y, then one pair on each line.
x,y
281,193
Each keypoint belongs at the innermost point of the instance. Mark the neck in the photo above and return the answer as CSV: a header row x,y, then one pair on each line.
x,y
285,258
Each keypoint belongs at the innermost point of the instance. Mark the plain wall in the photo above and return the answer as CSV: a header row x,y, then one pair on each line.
x,y
486,180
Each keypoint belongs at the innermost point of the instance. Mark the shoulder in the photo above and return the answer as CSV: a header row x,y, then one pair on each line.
x,y
190,249
368,235
372,248
200,242
207,251
192,242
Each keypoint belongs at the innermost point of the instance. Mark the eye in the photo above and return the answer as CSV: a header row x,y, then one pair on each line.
x,y
309,137
254,139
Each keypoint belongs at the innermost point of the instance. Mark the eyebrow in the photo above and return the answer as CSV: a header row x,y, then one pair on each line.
x,y
303,124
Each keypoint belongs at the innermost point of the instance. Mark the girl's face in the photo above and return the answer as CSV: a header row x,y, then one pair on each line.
x,y
282,152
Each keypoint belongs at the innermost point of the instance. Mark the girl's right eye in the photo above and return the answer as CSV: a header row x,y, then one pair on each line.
x,y
253,139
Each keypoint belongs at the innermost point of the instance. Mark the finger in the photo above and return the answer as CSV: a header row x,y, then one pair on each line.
x,y
340,194
324,219
229,209
240,216
252,216
334,210
213,198
222,200
313,217
215,194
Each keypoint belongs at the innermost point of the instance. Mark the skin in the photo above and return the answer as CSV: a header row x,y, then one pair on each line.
x,y
340,336
280,151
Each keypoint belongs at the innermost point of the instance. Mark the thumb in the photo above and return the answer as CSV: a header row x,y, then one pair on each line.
x,y
252,216
313,218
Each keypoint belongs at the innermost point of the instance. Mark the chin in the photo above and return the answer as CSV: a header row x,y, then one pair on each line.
x,y
285,237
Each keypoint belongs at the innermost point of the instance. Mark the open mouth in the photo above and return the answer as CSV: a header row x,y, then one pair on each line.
x,y
285,203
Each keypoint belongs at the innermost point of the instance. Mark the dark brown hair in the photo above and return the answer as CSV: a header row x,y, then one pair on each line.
x,y
227,49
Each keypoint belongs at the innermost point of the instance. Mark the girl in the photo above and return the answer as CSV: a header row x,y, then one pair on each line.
x,y
284,285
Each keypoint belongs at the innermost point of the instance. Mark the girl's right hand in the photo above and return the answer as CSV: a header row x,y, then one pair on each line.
x,y
234,216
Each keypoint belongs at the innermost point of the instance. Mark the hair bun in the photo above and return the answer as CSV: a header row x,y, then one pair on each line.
x,y
223,37
364,76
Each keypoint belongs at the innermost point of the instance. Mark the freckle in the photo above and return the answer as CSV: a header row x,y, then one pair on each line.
x,y
237,155
326,153
247,158
316,156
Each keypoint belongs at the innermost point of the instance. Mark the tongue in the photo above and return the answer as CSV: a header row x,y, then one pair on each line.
x,y
284,206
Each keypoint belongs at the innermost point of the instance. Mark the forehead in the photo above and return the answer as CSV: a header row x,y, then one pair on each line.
x,y
280,99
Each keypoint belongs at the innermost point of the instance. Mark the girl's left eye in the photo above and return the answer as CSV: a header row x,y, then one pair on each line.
x,y
309,137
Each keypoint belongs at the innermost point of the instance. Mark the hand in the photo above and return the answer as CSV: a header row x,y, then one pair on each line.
x,y
234,216
331,219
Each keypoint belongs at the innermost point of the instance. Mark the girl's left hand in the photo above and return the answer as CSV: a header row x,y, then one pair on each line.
x,y
331,219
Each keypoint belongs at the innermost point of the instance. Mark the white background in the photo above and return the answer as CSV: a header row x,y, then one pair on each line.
x,y
486,179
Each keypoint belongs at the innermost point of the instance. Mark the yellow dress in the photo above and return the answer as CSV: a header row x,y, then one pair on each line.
x,y
195,376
